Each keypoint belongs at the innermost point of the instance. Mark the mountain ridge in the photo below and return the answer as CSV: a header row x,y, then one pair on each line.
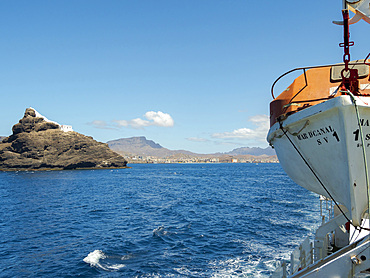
x,y
256,151
142,146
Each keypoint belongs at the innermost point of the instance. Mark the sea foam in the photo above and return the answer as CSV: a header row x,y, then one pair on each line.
x,y
99,259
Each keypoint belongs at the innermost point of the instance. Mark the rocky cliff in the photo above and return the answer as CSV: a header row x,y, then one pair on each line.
x,y
37,144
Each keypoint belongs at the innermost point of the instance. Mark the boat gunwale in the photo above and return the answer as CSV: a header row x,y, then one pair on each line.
x,y
302,115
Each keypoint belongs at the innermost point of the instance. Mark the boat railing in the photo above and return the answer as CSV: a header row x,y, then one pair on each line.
x,y
293,70
325,236
349,259
300,258
310,252
280,271
304,69
326,209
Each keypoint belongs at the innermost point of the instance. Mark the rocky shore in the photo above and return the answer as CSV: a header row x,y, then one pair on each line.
x,y
38,144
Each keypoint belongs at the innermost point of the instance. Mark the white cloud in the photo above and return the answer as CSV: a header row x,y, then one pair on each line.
x,y
159,118
258,133
101,124
151,119
197,139
122,122
138,123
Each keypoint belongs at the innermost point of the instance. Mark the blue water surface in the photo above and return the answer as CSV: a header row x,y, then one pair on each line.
x,y
153,220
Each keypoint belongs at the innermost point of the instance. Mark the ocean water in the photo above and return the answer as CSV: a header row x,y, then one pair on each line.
x,y
153,220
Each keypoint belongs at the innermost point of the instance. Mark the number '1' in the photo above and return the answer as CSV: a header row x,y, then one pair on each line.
x,y
336,136
356,133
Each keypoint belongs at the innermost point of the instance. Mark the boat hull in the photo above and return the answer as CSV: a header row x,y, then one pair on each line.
x,y
321,149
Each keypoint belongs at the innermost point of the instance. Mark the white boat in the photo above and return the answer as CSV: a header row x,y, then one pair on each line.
x,y
320,129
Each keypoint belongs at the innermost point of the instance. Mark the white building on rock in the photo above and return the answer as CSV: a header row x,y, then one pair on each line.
x,y
64,128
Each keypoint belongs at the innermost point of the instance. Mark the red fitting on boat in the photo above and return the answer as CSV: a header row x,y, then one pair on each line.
x,y
349,76
348,225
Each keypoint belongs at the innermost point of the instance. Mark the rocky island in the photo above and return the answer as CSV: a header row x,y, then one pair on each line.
x,y
40,144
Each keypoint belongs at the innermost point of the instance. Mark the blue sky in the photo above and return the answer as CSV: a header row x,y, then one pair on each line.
x,y
191,74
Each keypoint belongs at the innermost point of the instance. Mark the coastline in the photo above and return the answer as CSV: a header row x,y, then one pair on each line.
x,y
61,169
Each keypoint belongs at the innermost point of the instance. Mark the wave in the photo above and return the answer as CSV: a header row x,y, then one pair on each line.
x,y
160,231
239,267
104,261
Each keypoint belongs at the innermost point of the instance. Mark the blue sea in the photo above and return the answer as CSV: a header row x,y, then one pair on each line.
x,y
152,220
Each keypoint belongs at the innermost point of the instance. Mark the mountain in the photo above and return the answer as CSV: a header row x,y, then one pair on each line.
x,y
39,144
133,143
144,147
2,137
141,146
252,151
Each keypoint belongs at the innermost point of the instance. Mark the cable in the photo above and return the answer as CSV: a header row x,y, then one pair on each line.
x,y
362,141
363,151
313,172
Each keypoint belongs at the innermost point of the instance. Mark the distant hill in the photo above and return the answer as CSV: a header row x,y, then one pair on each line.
x,y
142,146
252,151
2,137
133,143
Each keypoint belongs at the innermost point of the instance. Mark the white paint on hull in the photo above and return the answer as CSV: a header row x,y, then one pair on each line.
x,y
327,136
